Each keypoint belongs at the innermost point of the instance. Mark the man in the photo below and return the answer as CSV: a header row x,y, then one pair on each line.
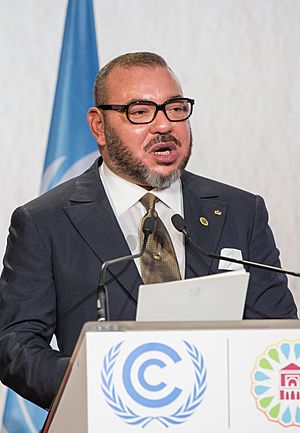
x,y
58,241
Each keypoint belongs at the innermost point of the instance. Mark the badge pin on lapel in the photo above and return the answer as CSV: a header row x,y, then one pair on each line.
x,y
218,212
203,221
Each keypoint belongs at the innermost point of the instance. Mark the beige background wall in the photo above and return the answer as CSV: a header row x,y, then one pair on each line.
x,y
239,59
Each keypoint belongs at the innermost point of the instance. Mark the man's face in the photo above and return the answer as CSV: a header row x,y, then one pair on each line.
x,y
154,154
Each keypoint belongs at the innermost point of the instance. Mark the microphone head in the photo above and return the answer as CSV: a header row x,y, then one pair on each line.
x,y
179,223
149,226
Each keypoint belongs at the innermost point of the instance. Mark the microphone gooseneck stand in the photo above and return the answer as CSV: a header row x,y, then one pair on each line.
x,y
180,225
102,295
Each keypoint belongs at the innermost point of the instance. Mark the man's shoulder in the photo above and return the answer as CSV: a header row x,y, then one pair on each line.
x,y
83,185
57,196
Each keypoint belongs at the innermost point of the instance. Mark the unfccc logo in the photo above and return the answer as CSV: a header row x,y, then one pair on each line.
x,y
153,382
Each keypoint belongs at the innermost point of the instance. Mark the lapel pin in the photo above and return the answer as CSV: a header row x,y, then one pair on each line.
x,y
203,221
218,212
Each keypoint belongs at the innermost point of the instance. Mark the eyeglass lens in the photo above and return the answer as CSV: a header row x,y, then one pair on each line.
x,y
145,112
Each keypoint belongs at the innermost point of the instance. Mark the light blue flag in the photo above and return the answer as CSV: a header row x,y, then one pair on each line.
x,y
71,149
21,416
71,146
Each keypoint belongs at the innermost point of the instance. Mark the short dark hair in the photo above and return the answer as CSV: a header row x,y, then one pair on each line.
x,y
128,60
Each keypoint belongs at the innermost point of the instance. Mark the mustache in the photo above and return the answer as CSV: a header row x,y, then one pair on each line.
x,y
162,138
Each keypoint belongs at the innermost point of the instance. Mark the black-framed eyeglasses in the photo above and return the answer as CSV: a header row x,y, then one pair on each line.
x,y
140,112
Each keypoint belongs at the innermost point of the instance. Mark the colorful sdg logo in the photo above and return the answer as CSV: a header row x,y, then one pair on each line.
x,y
276,383
154,382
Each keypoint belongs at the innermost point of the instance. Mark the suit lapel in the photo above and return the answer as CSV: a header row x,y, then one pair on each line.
x,y
204,214
91,214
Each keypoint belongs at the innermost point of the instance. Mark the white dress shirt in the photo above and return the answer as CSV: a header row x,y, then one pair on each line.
x,y
124,199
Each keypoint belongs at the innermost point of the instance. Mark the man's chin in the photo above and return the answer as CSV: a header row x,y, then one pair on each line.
x,y
161,180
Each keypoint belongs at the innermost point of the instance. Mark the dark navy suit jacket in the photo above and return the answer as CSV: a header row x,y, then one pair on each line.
x,y
57,244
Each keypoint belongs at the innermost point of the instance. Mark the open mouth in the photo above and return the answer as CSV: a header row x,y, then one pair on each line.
x,y
164,152
163,148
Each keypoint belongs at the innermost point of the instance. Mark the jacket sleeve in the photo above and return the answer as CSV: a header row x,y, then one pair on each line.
x,y
28,364
268,295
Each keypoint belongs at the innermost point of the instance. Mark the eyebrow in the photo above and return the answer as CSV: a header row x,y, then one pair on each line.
x,y
148,100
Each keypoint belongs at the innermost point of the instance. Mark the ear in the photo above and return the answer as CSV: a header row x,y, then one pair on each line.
x,y
96,122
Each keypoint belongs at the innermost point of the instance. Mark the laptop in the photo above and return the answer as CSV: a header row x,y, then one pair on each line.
x,y
213,297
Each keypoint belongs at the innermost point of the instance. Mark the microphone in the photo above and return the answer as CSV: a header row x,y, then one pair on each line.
x,y
180,225
102,305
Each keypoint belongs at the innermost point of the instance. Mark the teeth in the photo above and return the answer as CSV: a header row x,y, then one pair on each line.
x,y
163,152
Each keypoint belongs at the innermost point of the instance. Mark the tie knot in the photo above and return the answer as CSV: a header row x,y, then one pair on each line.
x,y
148,201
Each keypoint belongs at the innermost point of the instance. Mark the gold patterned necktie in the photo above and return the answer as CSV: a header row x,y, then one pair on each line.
x,y
158,263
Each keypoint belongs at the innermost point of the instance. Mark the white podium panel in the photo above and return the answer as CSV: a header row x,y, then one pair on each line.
x,y
191,377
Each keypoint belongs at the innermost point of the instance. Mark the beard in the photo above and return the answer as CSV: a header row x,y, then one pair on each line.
x,y
128,166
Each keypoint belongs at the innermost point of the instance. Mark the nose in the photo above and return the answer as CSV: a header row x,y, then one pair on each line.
x,y
161,123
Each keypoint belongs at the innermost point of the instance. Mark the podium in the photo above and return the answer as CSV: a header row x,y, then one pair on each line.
x,y
191,377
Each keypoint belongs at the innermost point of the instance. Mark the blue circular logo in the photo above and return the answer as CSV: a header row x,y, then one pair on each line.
x,y
141,383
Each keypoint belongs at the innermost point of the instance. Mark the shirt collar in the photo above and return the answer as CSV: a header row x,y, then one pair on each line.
x,y
123,194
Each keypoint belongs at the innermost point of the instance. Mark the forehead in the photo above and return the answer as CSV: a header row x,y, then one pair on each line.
x,y
125,84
